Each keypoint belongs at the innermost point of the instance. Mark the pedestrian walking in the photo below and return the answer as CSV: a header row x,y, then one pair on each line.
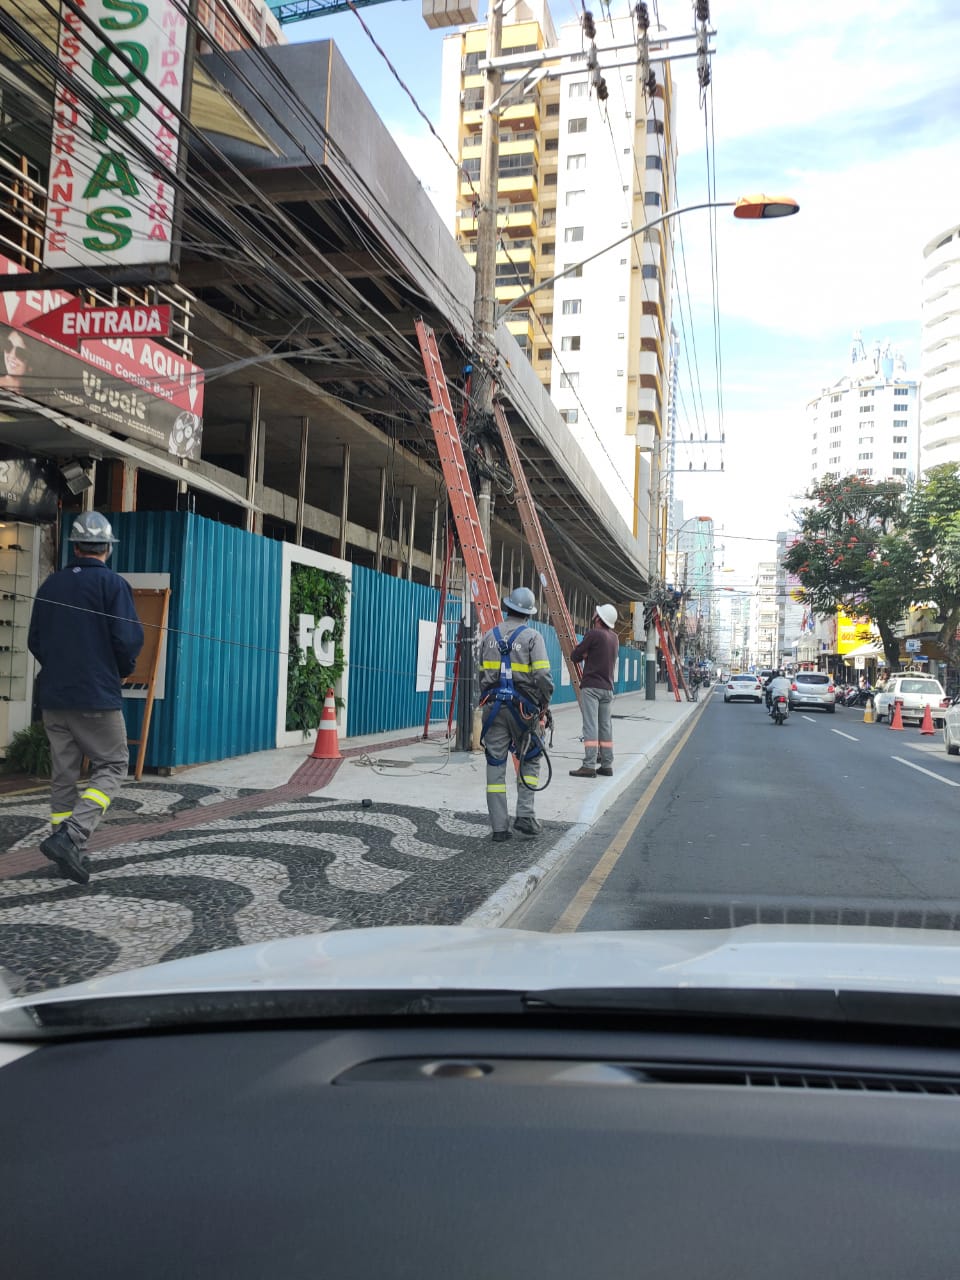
x,y
515,690
598,651
85,634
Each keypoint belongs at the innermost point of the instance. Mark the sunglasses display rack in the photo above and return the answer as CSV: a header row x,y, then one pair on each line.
x,y
18,584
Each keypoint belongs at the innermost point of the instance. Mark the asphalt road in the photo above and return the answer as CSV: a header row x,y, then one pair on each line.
x,y
824,819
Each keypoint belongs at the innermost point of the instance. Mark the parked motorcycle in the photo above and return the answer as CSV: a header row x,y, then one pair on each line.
x,y
780,708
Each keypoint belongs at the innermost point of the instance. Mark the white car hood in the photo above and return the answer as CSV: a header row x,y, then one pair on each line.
x,y
760,956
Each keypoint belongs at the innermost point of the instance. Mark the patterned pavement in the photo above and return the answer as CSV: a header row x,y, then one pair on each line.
x,y
297,865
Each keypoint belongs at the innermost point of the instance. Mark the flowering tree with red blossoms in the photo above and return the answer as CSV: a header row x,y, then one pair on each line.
x,y
853,553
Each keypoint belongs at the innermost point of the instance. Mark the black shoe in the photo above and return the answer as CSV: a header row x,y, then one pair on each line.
x,y
605,771
499,836
583,773
59,848
527,826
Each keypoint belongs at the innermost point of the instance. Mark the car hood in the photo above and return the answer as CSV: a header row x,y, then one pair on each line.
x,y
760,956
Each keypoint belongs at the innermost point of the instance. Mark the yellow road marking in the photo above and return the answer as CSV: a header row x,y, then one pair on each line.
x,y
584,898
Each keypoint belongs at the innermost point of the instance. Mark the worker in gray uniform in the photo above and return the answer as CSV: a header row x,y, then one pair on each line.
x,y
515,689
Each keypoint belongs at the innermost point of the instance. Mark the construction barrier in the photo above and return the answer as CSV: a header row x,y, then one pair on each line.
x,y
327,746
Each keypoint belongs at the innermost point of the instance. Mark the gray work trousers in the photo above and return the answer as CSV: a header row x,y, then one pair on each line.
x,y
497,740
596,706
102,737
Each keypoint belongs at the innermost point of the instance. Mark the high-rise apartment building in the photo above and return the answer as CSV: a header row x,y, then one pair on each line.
x,y
940,351
866,423
575,175
764,617
790,612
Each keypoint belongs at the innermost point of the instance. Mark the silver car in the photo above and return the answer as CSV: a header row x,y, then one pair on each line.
x,y
813,689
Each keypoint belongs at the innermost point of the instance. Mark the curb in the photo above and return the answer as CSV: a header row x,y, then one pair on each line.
x,y
503,902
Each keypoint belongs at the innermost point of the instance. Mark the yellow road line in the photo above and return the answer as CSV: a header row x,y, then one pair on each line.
x,y
584,898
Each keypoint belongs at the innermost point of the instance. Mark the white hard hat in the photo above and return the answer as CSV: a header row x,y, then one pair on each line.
x,y
607,613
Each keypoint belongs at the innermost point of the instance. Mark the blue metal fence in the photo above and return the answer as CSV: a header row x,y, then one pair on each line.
x,y
220,698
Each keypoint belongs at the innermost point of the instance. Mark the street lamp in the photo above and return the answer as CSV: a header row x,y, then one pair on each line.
x,y
754,206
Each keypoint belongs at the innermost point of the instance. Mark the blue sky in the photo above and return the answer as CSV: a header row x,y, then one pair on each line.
x,y
852,107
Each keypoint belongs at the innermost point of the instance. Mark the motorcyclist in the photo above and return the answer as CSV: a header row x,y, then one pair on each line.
x,y
777,685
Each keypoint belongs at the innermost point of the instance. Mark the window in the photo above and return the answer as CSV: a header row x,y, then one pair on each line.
x,y
865,440
899,457
575,196
899,439
548,248
864,457
814,435
865,393
834,461
574,272
571,343
578,89
901,391
864,471
578,161
571,306
866,408
577,124
654,162
834,399
544,353
899,471
553,109
573,235
652,199
569,379
900,422
621,336
552,144
649,271
655,126
570,416
619,373
549,179
836,413
814,450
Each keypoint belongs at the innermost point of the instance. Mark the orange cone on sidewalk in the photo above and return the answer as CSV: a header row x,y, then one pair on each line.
x,y
896,720
926,725
327,747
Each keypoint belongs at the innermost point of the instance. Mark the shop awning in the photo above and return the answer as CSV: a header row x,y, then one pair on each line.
x,y
865,651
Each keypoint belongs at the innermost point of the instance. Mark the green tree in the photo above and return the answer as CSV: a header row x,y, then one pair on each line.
x,y
933,530
848,555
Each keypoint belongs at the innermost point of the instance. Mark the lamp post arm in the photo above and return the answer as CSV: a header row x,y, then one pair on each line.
x,y
630,235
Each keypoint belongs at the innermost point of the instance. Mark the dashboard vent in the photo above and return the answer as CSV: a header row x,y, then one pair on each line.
x,y
769,1078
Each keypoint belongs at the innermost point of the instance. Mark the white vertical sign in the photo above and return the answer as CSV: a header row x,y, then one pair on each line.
x,y
105,205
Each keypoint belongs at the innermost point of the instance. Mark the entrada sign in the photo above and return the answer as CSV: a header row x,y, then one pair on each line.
x,y
75,323
106,205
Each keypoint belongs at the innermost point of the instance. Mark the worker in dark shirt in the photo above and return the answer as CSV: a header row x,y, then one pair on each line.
x,y
598,651
85,633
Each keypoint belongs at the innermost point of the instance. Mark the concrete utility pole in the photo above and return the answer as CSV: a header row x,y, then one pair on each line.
x,y
484,298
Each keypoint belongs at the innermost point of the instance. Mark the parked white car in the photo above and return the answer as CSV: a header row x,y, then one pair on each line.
x,y
915,691
951,730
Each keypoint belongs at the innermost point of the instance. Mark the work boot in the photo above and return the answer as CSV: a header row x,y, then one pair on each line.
x,y
527,826
605,771
499,836
62,851
583,772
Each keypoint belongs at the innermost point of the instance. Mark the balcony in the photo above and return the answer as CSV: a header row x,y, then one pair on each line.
x,y
520,187
938,384
522,115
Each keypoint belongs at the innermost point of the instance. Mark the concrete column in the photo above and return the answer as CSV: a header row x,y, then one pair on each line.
x,y
383,503
345,502
302,480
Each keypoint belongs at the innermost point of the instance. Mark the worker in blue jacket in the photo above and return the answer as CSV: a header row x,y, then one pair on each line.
x,y
85,633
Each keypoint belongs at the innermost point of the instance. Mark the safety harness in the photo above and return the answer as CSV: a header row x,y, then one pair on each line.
x,y
506,696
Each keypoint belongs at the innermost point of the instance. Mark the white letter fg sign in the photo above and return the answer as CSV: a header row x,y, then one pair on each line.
x,y
317,636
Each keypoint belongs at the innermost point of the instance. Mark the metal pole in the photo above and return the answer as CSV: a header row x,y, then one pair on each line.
x,y
484,298
650,671
253,446
433,542
413,517
383,503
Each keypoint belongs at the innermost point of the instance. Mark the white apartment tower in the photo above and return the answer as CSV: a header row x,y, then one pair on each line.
x,y
866,423
940,351
576,175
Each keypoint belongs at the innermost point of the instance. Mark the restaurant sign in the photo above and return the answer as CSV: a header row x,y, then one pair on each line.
x,y
108,202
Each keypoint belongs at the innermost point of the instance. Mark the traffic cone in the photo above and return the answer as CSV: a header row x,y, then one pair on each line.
x,y
896,720
926,724
868,716
327,747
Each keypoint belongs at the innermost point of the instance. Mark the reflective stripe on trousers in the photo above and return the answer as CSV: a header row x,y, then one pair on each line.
x,y
497,739
596,706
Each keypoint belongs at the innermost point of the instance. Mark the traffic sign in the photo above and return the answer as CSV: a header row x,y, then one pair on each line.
x,y
74,323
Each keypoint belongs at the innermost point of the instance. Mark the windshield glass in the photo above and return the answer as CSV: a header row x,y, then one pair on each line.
x,y
411,489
